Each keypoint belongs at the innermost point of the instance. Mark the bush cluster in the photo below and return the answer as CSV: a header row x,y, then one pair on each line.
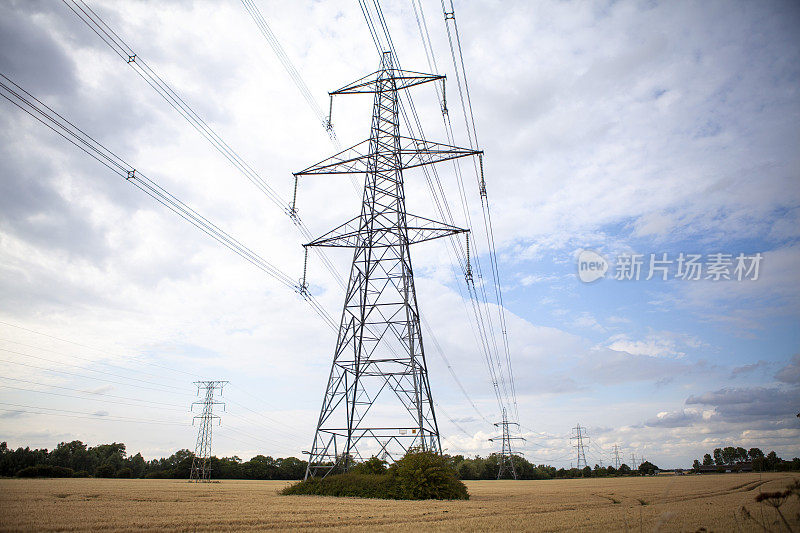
x,y
45,471
419,475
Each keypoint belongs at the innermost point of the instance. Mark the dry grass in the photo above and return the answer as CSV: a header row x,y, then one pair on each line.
x,y
681,503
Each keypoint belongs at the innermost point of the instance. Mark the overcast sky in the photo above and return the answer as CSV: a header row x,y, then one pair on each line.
x,y
618,127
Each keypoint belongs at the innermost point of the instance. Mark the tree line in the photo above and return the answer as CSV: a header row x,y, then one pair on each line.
x,y
76,459
730,457
487,468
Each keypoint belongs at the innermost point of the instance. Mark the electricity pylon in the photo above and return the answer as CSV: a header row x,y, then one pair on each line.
x,y
506,462
616,457
378,398
580,435
201,464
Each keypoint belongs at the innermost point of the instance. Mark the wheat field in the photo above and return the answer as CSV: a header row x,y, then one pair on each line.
x,y
664,503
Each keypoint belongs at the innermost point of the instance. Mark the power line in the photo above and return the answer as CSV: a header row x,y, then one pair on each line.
x,y
126,53
488,345
449,17
93,393
73,356
86,377
100,350
103,400
113,40
78,414
105,352
44,114
266,31
87,369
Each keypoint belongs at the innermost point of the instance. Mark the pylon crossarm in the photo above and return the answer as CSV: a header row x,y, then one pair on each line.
x,y
375,82
413,153
418,152
351,235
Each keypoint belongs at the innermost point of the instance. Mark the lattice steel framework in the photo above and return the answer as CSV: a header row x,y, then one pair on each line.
x,y
579,437
505,464
201,464
378,398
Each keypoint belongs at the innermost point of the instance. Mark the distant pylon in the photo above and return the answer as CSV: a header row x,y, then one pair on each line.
x,y
506,462
633,461
580,435
201,464
616,457
379,359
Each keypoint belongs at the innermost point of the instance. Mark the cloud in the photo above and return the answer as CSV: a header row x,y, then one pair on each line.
x,y
663,344
750,403
749,369
681,418
586,320
791,372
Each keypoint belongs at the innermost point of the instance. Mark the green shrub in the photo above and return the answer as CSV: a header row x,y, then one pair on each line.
x,y
373,466
425,475
105,470
417,476
45,471
350,484
125,473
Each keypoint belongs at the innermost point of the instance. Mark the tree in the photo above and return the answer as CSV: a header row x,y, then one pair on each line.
x,y
718,460
696,465
729,455
741,454
137,465
755,453
105,470
73,455
771,461
292,468
707,460
647,468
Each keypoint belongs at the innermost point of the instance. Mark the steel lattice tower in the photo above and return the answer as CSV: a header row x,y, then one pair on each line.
x,y
201,464
378,398
580,435
616,457
506,462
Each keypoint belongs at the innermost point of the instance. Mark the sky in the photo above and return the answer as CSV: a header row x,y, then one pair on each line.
x,y
622,128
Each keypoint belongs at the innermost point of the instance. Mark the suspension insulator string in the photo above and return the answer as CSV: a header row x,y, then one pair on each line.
x,y
303,284
483,182
469,264
293,206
